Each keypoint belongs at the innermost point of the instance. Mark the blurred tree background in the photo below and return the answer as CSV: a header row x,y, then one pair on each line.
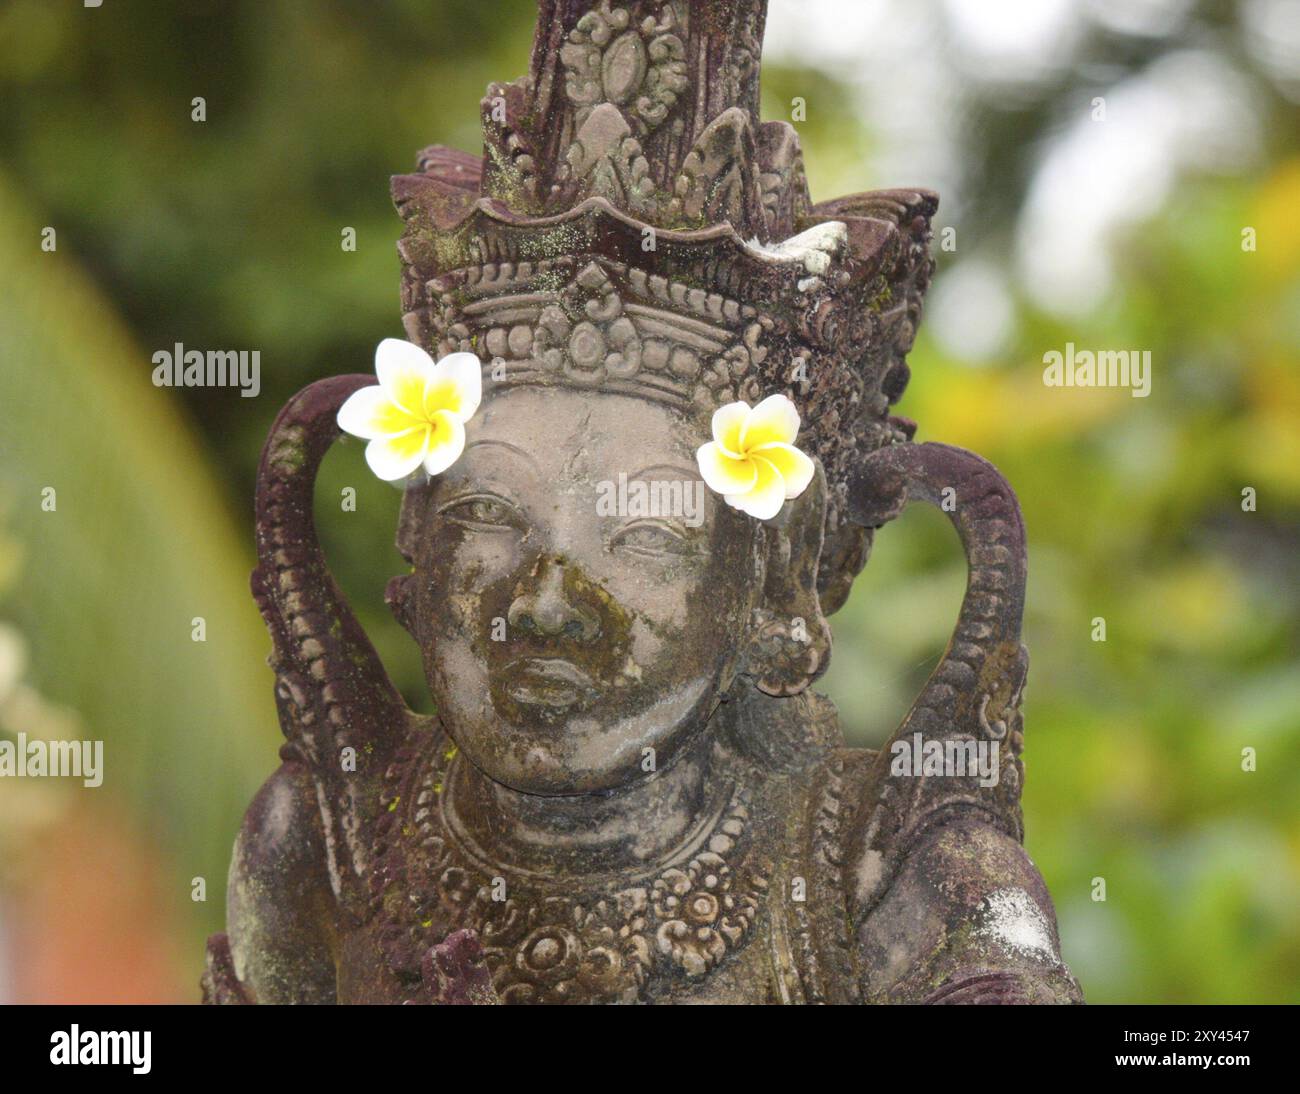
x,y
1103,166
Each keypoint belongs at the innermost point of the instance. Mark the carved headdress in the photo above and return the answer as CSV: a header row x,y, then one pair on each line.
x,y
633,226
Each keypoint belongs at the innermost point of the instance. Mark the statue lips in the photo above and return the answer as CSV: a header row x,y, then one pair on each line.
x,y
547,682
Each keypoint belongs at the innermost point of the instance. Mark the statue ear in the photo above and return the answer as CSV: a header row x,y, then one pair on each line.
x,y
790,641
399,594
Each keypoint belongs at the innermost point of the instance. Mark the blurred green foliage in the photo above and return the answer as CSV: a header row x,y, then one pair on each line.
x,y
226,233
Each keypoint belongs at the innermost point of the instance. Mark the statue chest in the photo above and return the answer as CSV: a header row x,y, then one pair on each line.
x,y
698,926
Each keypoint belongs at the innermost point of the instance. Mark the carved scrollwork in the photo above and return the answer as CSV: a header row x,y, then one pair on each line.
x,y
586,335
605,323
701,915
637,65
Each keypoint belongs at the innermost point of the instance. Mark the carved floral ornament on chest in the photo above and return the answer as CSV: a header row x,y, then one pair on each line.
x,y
630,791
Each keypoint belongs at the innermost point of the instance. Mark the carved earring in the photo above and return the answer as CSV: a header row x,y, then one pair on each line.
x,y
786,653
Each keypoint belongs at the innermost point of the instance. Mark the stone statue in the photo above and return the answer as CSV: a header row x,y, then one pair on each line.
x,y
629,792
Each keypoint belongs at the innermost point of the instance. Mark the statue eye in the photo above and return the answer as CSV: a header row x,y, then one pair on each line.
x,y
651,538
483,512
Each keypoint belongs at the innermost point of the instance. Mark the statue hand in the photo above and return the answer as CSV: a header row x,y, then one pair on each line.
x,y
220,983
456,973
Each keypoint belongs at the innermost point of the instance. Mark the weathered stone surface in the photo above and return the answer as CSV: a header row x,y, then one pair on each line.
x,y
630,792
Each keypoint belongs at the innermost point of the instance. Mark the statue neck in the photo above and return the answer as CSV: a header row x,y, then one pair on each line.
x,y
639,825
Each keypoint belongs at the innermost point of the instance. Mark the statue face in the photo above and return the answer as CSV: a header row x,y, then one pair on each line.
x,y
568,619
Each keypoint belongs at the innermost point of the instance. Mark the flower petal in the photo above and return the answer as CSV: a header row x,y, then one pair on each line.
x,y
403,369
456,384
725,474
728,425
774,421
447,442
764,501
795,468
396,456
369,413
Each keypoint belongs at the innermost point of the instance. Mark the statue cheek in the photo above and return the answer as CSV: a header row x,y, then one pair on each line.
x,y
472,614
462,569
647,648
667,652
460,558
690,623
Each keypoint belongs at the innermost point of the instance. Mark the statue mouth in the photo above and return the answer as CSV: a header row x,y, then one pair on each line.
x,y
548,682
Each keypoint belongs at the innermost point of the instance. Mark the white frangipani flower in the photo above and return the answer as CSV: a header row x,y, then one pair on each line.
x,y
415,416
752,461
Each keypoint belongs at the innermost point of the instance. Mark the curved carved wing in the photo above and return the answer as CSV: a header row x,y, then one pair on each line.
x,y
973,695
332,692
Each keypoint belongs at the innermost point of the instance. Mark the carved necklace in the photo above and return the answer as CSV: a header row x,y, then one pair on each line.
x,y
608,941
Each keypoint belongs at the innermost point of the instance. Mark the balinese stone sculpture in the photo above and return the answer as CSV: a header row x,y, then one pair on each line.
x,y
629,792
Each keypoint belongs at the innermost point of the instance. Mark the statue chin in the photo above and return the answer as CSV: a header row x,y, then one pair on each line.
x,y
540,733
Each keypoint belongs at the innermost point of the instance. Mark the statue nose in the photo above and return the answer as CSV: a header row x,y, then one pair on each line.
x,y
547,610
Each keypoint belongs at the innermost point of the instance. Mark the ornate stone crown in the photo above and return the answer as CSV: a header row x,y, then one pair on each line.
x,y
632,226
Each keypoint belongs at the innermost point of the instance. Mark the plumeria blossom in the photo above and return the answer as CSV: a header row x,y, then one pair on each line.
x,y
752,461
415,416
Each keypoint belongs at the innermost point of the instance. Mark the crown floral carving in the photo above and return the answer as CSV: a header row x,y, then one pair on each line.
x,y
610,57
586,334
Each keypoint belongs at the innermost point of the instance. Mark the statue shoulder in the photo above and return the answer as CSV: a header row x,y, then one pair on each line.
x,y
281,914
981,927
963,916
